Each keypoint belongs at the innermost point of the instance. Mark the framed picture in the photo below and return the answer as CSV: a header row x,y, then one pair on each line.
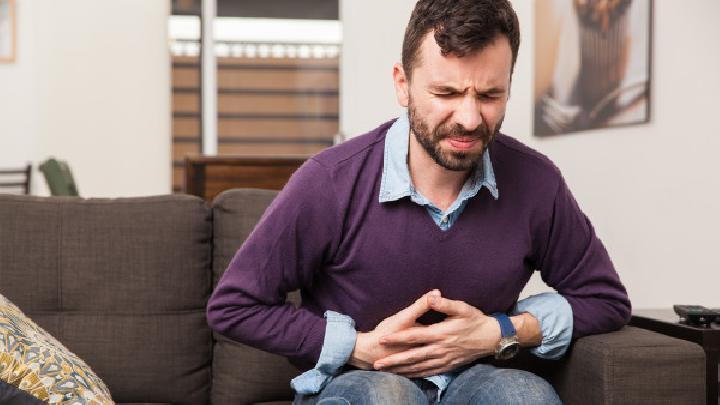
x,y
592,64
8,30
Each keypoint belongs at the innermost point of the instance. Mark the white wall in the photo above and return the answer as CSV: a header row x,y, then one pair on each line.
x,y
18,96
91,85
650,190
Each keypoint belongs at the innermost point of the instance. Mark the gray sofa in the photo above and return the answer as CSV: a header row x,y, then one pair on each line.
x,y
124,282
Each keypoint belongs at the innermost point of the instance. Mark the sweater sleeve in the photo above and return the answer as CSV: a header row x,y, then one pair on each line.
x,y
297,235
577,265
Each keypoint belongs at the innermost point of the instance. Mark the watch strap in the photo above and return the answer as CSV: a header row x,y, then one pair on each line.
x,y
506,327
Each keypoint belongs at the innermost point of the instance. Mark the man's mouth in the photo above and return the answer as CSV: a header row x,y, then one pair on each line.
x,y
463,143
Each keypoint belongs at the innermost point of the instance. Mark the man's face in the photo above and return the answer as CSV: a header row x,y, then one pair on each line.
x,y
457,105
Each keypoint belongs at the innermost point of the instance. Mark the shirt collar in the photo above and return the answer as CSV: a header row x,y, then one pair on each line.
x,y
396,182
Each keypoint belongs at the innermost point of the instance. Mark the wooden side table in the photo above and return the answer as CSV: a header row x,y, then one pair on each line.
x,y
667,322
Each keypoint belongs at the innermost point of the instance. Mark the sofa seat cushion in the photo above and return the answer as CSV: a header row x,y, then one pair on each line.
x,y
35,362
12,395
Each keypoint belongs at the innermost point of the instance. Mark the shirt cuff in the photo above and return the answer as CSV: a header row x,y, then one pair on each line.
x,y
337,347
556,322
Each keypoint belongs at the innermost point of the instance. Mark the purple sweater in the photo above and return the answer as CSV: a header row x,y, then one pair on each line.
x,y
327,234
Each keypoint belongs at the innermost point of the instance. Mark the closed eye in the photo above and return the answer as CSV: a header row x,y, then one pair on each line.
x,y
446,94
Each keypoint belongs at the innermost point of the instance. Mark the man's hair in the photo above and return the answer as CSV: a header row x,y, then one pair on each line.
x,y
460,27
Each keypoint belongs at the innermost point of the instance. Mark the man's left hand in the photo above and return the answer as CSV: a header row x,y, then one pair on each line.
x,y
464,336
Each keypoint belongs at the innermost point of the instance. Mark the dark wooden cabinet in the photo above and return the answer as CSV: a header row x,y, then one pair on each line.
x,y
208,176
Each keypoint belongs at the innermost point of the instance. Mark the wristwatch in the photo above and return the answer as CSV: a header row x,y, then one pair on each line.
x,y
509,344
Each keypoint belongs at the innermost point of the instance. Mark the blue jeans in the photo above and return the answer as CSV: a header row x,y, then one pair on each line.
x,y
480,384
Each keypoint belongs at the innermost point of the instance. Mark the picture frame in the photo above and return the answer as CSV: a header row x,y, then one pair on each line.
x,y
8,31
593,65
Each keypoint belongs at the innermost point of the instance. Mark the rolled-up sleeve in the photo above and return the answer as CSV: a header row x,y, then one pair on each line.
x,y
338,345
556,322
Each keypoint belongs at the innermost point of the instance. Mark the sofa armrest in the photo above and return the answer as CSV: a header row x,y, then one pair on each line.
x,y
632,366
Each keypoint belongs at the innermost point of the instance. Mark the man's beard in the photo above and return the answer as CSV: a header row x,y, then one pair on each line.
x,y
451,160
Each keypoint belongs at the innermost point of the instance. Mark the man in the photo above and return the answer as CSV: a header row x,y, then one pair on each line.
x,y
408,257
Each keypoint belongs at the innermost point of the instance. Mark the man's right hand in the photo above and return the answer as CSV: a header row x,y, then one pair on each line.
x,y
367,345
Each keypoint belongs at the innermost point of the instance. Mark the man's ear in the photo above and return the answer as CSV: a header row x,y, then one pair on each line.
x,y
401,85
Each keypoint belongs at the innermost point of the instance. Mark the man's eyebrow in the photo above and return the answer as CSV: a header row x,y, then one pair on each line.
x,y
452,89
493,90
444,88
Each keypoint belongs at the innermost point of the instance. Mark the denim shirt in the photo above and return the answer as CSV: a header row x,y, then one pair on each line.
x,y
550,309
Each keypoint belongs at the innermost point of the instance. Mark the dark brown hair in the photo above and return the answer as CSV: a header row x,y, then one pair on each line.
x,y
461,27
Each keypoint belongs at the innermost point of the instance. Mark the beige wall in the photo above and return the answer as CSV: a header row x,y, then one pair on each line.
x,y
652,191
91,86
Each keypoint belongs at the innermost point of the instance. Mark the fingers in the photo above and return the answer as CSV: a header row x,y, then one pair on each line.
x,y
449,307
413,336
422,369
408,357
428,370
422,361
419,307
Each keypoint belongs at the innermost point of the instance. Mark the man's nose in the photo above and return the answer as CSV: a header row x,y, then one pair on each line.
x,y
468,114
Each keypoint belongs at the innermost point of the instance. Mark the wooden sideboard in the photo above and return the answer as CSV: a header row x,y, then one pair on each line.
x,y
208,176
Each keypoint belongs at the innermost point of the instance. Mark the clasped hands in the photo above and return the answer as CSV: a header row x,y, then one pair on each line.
x,y
402,346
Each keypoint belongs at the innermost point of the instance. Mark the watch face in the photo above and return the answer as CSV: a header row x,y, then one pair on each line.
x,y
508,348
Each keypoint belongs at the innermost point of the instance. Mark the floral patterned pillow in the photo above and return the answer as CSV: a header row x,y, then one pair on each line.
x,y
35,362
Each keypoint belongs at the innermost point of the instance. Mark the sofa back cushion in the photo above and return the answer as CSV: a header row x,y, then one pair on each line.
x,y
123,283
242,374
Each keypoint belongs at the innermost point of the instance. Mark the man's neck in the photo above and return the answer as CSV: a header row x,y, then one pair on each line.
x,y
436,183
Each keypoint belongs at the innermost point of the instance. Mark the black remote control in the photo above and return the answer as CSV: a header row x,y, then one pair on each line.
x,y
697,314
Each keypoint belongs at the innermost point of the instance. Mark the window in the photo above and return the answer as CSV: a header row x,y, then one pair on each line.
x,y
277,79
